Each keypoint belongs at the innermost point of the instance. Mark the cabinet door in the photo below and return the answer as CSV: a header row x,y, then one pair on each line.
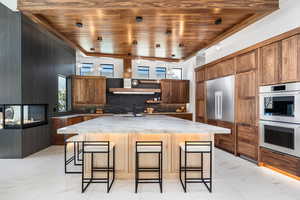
x,y
246,98
246,62
225,68
269,64
165,91
200,75
79,91
247,141
290,69
100,91
183,88
212,72
200,100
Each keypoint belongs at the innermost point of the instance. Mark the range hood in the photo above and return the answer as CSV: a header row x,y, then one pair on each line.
x,y
127,84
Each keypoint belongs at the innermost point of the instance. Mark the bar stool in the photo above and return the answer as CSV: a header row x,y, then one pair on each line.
x,y
195,147
148,147
98,147
75,157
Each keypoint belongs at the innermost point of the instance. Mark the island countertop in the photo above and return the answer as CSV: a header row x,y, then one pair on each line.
x,y
149,124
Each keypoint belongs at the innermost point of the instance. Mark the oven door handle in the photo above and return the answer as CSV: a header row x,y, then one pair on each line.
x,y
279,124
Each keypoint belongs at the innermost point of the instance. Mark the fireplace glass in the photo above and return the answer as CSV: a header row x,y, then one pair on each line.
x,y
1,116
24,116
12,116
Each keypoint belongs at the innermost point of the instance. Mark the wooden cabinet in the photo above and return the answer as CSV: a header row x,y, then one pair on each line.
x,y
269,67
224,141
200,100
246,88
200,75
246,62
247,143
280,161
174,91
223,68
88,91
290,60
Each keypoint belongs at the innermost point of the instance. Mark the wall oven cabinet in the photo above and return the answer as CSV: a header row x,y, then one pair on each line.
x,y
19,116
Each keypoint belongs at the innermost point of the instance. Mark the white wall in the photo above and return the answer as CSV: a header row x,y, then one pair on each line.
x,y
282,20
11,4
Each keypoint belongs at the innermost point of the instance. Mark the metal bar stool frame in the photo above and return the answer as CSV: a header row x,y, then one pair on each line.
x,y
184,169
158,169
107,169
77,161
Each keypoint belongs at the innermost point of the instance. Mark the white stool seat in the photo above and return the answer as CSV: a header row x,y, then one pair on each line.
x,y
199,148
148,148
96,147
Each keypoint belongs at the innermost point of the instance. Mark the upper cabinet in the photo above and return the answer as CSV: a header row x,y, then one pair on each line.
x,y
280,61
246,62
270,64
223,68
290,60
88,90
174,91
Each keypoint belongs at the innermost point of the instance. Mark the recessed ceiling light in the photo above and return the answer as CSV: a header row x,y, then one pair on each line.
x,y
134,42
218,21
92,49
99,38
79,24
138,18
181,45
129,54
173,55
169,31
157,45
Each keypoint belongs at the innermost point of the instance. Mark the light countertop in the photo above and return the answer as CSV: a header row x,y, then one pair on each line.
x,y
149,124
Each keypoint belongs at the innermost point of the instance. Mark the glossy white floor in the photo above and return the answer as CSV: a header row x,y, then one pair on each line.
x,y
41,177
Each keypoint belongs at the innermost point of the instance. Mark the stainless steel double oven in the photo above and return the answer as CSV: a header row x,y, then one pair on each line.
x,y
280,118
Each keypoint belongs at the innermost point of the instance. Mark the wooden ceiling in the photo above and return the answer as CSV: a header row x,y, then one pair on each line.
x,y
109,27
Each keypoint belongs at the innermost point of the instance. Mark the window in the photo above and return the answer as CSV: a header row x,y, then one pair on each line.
x,y
177,73
161,72
143,72
86,69
107,70
62,93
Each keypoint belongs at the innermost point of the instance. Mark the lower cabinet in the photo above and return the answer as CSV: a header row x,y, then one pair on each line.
x,y
224,141
247,141
280,161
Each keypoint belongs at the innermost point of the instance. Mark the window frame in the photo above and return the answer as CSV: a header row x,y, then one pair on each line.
x,y
66,100
80,72
113,70
181,74
165,72
148,67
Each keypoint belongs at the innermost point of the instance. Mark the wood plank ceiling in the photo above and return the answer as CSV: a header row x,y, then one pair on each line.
x,y
170,29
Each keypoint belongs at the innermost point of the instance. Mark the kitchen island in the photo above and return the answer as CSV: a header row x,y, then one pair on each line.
x,y
125,130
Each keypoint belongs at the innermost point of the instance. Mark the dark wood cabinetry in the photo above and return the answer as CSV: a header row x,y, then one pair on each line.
x,y
246,62
247,141
290,60
280,161
223,68
200,95
270,64
174,91
88,91
224,141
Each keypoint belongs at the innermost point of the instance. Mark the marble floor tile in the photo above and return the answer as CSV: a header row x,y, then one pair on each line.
x,y
41,177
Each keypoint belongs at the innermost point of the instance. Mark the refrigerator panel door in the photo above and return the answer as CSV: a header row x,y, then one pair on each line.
x,y
220,99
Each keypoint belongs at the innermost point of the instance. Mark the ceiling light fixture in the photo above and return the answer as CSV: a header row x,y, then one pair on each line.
x,y
181,45
138,19
92,49
173,55
168,31
134,42
157,45
218,21
99,38
79,24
